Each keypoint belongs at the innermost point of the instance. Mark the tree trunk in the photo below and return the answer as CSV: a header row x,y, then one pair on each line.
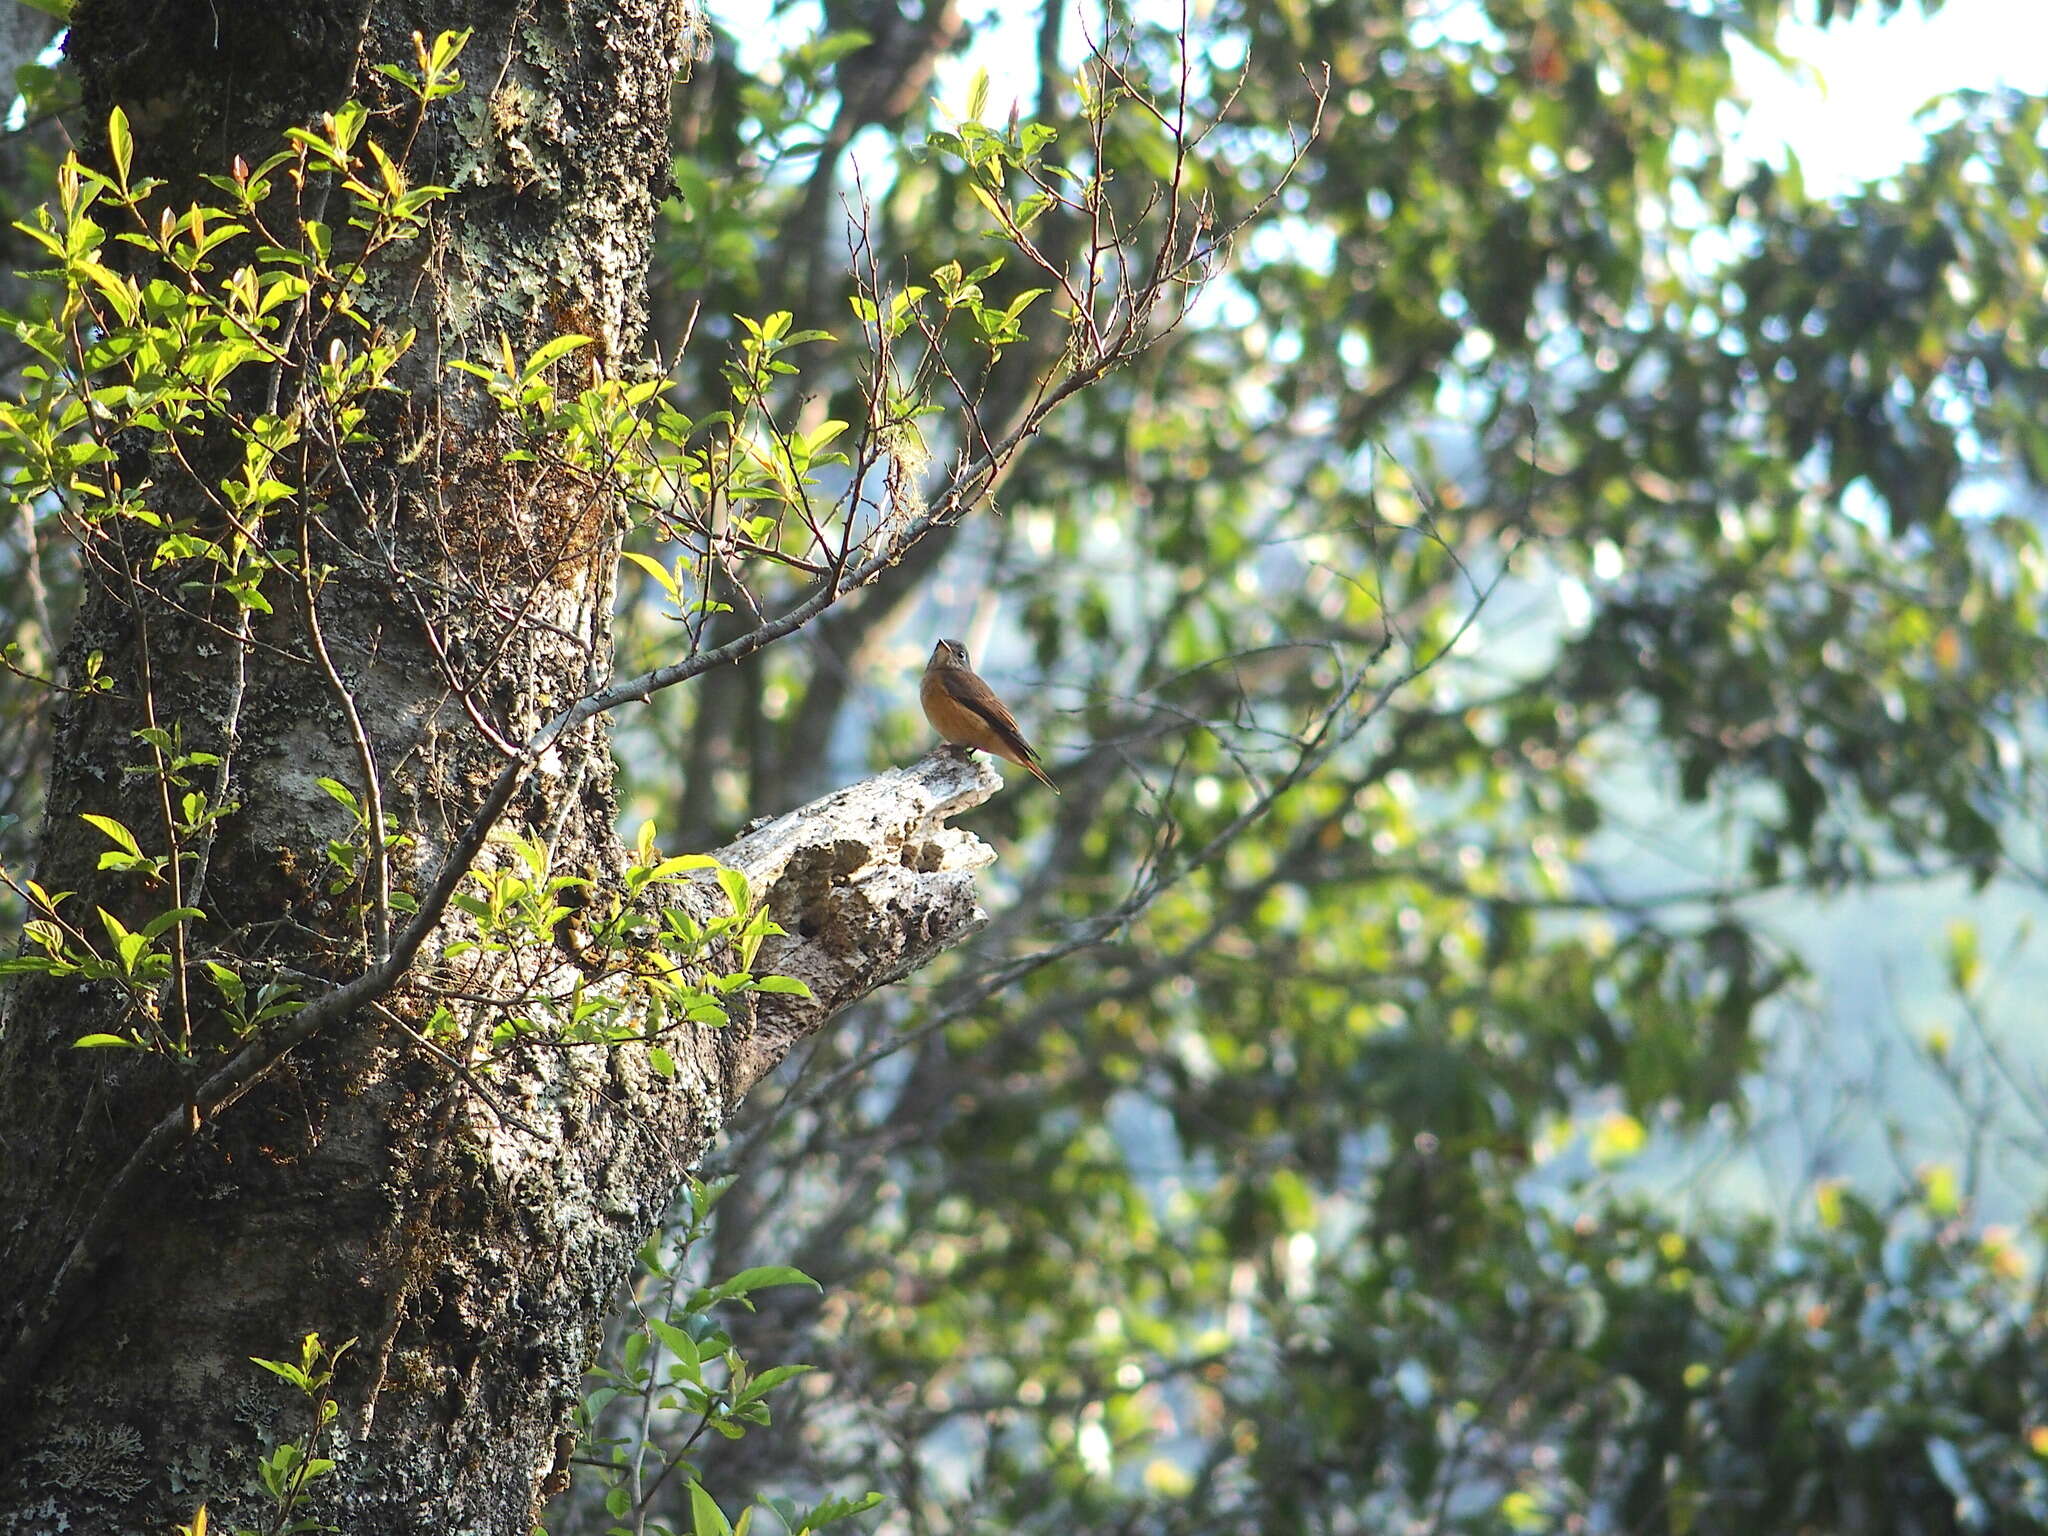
x,y
165,1219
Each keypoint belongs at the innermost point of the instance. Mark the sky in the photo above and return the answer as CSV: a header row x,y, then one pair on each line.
x,y
1851,119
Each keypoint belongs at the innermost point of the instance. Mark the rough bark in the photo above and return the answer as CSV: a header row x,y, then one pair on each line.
x,y
467,1236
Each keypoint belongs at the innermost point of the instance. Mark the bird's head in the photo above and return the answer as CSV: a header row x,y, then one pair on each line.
x,y
947,653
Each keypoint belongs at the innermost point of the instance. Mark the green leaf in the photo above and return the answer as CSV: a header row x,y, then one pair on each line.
x,y
831,1510
157,926
549,351
770,1379
707,1518
734,883
113,829
675,1340
91,1042
296,1375
759,1278
120,143
655,569
115,931
983,196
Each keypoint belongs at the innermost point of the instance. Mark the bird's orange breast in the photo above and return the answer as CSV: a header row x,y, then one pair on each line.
x,y
953,720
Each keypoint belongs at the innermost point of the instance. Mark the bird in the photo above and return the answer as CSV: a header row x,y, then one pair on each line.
x,y
965,711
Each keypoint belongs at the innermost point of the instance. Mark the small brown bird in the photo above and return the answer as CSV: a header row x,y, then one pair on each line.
x,y
965,711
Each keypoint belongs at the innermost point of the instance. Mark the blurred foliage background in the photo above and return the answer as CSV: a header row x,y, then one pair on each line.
x,y
1544,664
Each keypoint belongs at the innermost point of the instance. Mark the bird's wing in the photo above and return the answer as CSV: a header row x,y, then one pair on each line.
x,y
979,697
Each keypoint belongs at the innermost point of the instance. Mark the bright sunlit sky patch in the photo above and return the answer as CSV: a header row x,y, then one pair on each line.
x,y
1848,115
